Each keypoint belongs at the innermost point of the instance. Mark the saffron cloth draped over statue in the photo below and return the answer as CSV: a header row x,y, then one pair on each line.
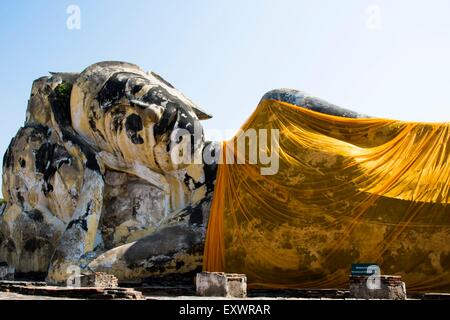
x,y
347,191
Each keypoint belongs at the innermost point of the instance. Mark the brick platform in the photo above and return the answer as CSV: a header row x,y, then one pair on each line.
x,y
98,280
41,289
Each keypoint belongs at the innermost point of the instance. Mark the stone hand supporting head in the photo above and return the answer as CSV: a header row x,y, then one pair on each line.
x,y
113,119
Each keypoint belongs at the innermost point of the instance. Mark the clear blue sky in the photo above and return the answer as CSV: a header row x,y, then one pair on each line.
x,y
391,60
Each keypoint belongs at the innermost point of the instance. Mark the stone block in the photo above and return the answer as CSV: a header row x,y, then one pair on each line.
x,y
377,287
219,284
6,272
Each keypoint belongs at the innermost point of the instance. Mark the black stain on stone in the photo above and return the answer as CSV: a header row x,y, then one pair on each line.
x,y
35,215
179,264
186,121
155,96
38,133
118,116
81,221
177,113
133,126
92,124
8,157
210,169
10,245
136,88
189,181
91,159
134,123
48,159
22,162
32,245
43,157
136,207
114,89
93,117
20,198
60,104
167,121
196,214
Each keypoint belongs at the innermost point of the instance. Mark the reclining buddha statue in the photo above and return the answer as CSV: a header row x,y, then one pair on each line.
x,y
91,181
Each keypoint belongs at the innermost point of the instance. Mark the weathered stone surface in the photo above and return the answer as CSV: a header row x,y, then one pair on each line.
x,y
219,284
90,180
390,287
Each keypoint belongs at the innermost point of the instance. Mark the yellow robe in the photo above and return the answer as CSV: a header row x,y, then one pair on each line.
x,y
347,191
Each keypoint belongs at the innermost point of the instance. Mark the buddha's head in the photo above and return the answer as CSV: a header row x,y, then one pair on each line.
x,y
136,116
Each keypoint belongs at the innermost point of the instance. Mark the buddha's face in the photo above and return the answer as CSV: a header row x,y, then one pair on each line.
x,y
135,116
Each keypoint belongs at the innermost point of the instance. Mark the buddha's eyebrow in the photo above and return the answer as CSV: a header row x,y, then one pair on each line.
x,y
112,91
115,88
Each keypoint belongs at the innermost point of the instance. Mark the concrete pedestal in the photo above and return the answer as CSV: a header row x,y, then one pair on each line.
x,y
219,284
